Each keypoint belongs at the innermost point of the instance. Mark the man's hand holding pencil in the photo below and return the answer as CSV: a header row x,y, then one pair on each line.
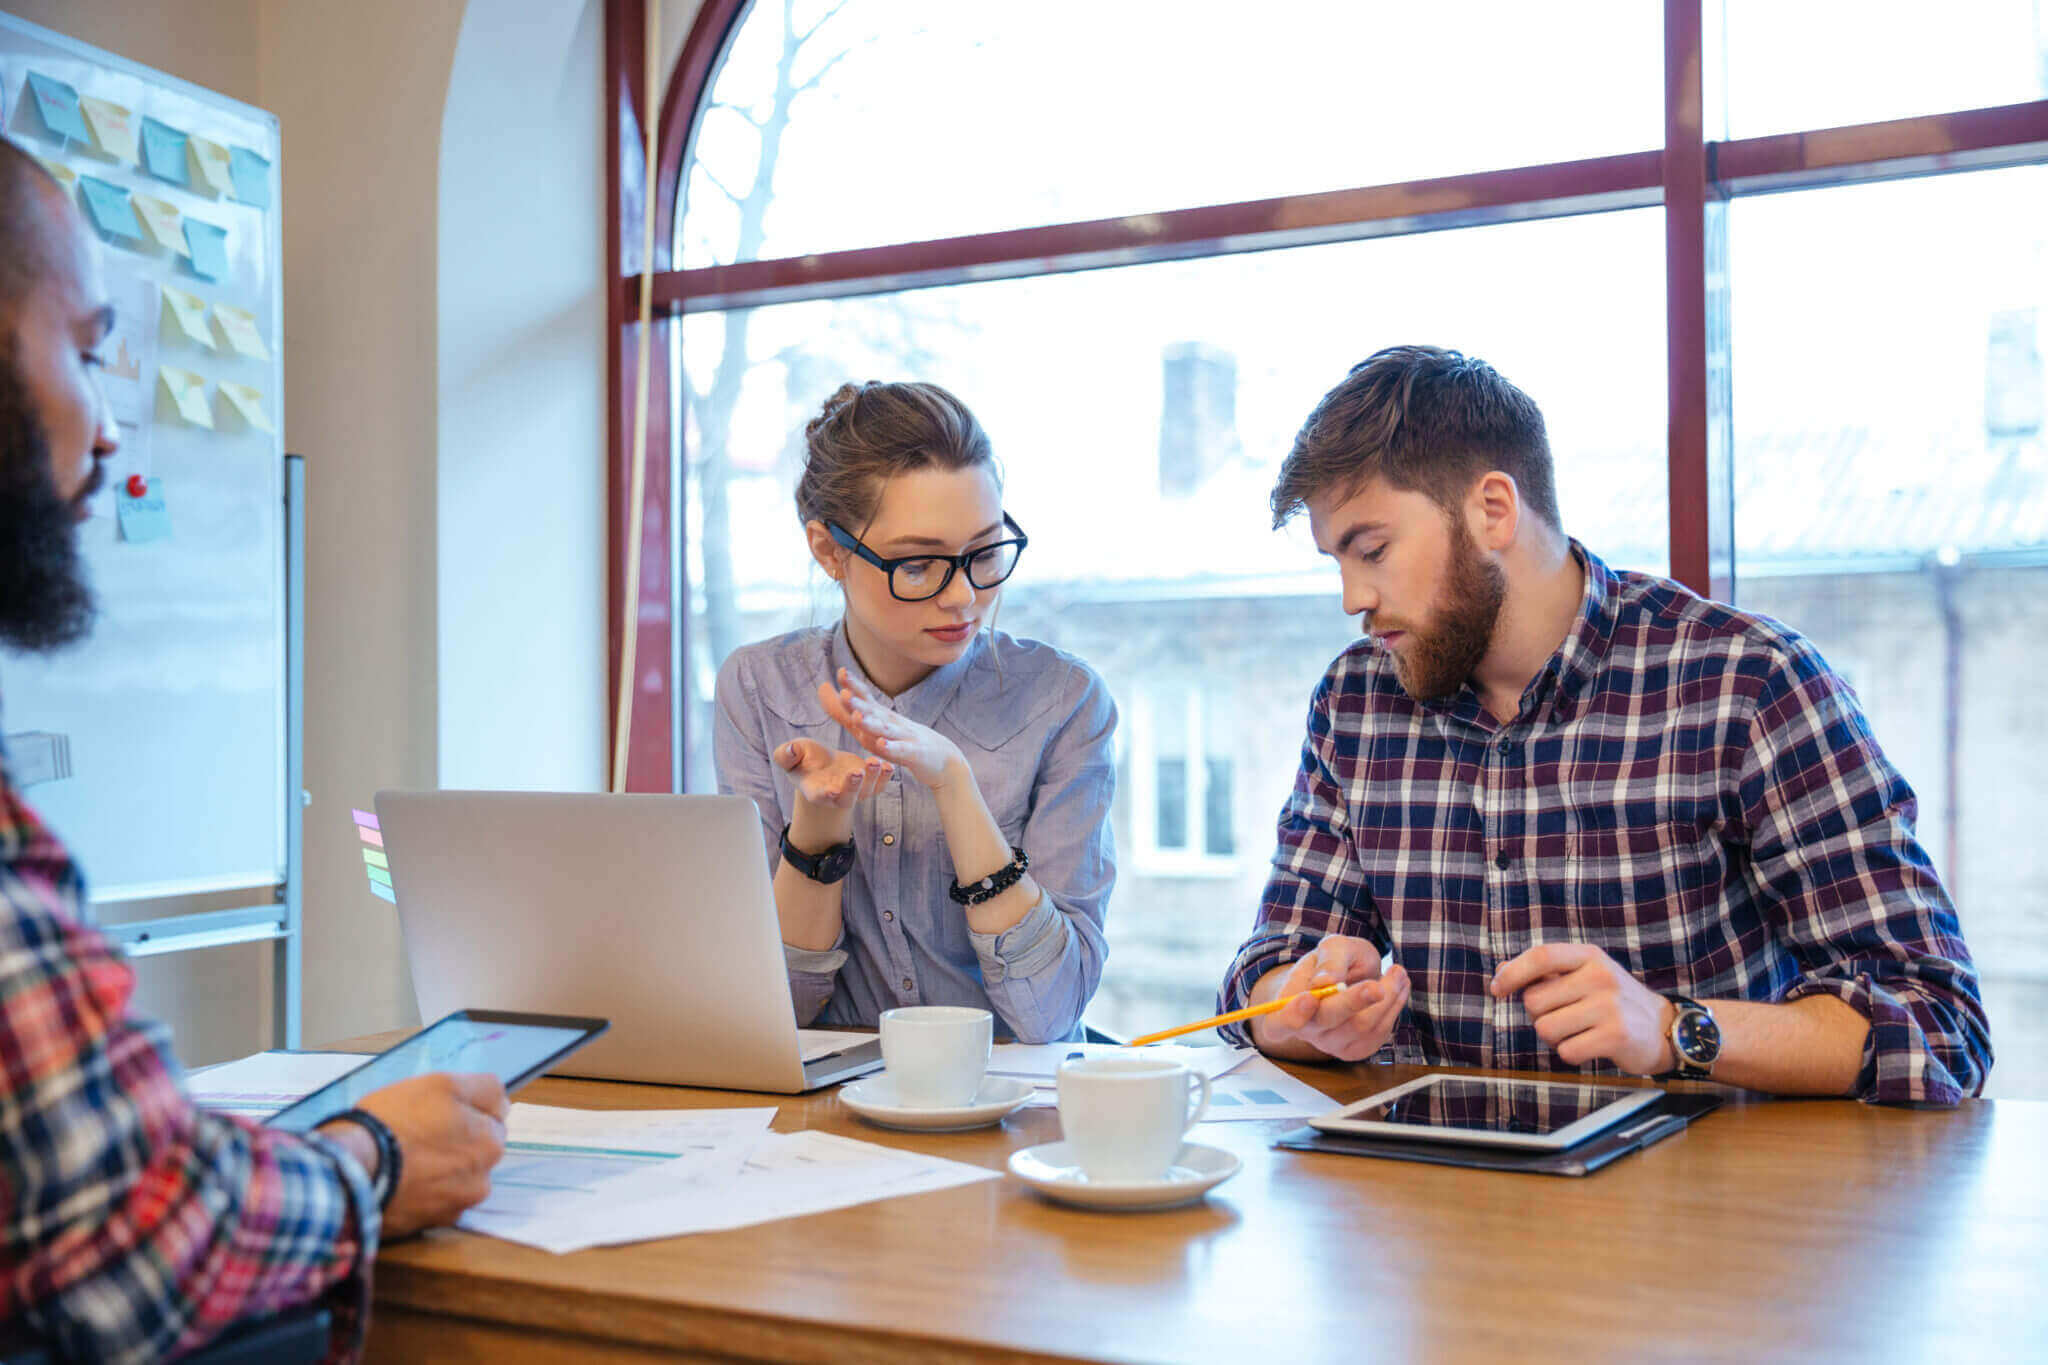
x,y
1348,1026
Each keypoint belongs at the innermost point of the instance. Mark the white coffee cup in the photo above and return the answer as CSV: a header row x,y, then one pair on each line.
x,y
1124,1117
936,1055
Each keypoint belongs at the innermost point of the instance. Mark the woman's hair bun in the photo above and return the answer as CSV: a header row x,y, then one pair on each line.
x,y
842,398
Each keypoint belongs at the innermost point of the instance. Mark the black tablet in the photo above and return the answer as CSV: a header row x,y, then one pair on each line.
x,y
1490,1111
513,1047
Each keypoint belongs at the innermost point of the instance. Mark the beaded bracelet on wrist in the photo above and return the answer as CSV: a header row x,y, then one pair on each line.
x,y
993,885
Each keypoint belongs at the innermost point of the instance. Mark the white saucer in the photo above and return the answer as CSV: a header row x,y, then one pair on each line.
x,y
874,1099
1050,1170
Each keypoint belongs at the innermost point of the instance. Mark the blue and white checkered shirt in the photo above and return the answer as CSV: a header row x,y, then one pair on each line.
x,y
1687,787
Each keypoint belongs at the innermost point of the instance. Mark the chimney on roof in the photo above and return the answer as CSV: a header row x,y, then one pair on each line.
x,y
1198,422
2013,391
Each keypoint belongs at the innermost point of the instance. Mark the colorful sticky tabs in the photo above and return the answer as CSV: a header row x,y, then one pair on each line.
x,y
184,318
238,327
166,225
57,103
163,152
245,403
365,819
209,245
114,132
374,858
145,518
212,171
386,892
380,875
373,838
188,395
110,211
67,179
251,174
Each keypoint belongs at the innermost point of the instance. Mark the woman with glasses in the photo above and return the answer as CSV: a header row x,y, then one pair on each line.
x,y
934,794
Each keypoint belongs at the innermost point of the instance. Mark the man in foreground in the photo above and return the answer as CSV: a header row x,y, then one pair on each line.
x,y
133,1226
1553,815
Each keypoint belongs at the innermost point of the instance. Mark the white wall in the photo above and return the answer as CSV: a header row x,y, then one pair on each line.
x,y
521,476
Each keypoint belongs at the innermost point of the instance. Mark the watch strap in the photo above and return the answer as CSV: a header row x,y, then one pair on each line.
x,y
819,866
1683,1067
390,1156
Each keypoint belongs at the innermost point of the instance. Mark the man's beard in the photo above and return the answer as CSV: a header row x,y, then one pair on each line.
x,y
1437,661
45,601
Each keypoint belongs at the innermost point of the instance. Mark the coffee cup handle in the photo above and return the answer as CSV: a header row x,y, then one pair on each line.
x,y
1201,1108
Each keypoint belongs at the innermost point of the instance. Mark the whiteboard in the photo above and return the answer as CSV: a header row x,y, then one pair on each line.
x,y
175,708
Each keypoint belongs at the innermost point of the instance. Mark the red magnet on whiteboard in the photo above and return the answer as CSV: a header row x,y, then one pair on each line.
x,y
137,486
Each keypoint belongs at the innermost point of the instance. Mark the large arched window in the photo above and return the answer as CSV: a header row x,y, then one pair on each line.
x,y
1140,239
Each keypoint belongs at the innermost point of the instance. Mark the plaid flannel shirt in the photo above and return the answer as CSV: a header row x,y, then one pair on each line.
x,y
1687,787
134,1226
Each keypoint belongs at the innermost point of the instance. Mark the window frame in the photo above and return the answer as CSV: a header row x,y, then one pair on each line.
x,y
1692,177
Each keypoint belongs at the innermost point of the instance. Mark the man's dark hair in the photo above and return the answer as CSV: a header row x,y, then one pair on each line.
x,y
1426,420
24,226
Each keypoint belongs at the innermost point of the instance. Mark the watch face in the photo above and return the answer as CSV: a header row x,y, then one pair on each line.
x,y
835,862
1697,1036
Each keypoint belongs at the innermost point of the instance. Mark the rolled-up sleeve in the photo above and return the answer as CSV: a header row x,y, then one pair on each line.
x,y
1853,895
1314,889
1042,971
739,749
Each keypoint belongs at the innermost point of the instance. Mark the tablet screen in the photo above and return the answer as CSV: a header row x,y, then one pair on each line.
x,y
460,1042
1493,1106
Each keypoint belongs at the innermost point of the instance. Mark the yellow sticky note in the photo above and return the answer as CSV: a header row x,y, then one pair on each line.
x,y
246,403
67,179
185,318
188,396
114,130
212,167
238,326
164,223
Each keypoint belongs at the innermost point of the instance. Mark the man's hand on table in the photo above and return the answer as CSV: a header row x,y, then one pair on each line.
x,y
1349,1026
451,1131
1588,1009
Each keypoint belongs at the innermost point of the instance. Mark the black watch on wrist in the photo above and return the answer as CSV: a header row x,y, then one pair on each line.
x,y
1695,1041
827,867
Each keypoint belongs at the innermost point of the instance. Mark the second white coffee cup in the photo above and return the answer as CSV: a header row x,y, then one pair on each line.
x,y
936,1055
1124,1117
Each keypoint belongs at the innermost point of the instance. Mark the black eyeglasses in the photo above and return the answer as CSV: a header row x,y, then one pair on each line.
x,y
919,578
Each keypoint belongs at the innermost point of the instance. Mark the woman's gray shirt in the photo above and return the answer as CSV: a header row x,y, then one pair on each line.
x,y
1037,732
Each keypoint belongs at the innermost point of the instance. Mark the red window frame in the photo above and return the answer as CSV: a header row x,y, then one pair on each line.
x,y
1692,177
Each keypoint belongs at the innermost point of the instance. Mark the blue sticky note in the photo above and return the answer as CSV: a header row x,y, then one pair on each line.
x,y
386,892
209,249
251,175
58,104
145,518
163,153
110,209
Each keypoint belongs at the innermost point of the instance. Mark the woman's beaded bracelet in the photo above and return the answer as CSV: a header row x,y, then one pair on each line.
x,y
993,885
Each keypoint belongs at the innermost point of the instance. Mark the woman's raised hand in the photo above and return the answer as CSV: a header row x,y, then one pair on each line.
x,y
919,750
831,777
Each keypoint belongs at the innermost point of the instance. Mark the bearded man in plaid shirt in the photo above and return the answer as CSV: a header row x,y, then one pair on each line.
x,y
133,1226
1551,815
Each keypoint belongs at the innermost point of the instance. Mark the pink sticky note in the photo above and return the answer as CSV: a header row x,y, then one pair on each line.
x,y
367,820
373,838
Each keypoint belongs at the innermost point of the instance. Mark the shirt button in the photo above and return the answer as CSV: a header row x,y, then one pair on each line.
x,y
1501,860
888,838
888,917
909,985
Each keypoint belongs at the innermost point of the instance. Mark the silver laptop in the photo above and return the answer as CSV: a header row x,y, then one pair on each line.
x,y
654,912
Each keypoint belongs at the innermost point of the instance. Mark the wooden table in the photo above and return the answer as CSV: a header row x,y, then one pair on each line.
x,y
1769,1230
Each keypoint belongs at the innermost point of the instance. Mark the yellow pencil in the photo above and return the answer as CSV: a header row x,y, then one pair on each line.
x,y
1248,1012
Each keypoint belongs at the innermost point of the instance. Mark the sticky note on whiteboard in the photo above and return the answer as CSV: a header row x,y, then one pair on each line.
x,y
146,518
115,135
244,404
57,104
164,223
251,174
238,327
184,318
209,244
110,211
212,169
67,179
163,152
187,392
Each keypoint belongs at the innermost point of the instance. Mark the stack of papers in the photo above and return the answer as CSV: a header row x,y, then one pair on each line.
x,y
257,1087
